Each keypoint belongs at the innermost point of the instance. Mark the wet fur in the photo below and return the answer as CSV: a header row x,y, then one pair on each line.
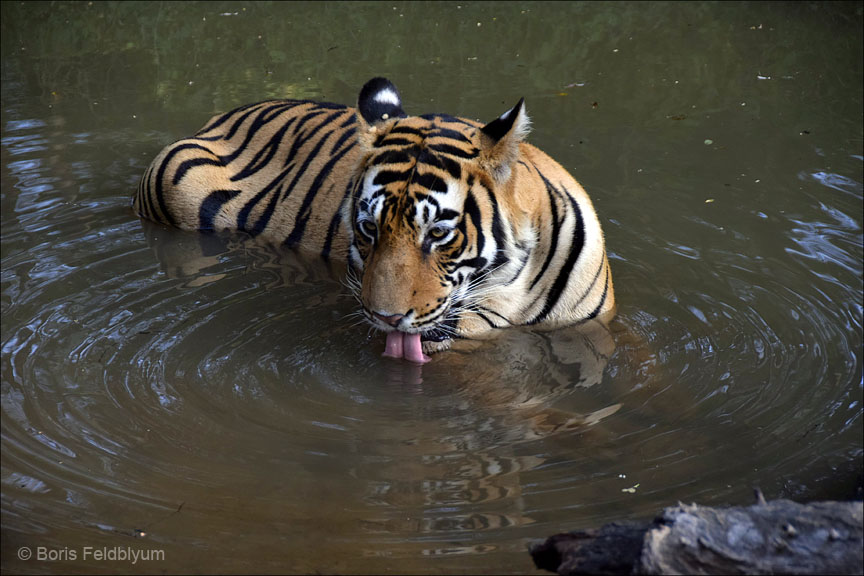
x,y
297,173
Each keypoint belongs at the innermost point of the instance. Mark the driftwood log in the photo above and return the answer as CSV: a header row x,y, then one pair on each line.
x,y
777,537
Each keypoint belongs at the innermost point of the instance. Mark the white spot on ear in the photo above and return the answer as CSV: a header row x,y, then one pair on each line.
x,y
385,116
387,96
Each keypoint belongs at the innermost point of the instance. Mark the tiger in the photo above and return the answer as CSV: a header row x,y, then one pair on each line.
x,y
452,229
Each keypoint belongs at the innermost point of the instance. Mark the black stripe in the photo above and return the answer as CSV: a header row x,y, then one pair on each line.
x,y
374,196
524,258
497,233
301,139
314,153
431,181
146,195
303,167
151,194
405,130
243,215
266,214
392,157
428,198
329,106
385,177
491,324
448,214
224,118
564,274
445,118
556,226
447,133
271,206
441,162
477,308
160,177
331,232
350,122
462,227
342,139
264,155
211,206
239,122
454,151
187,165
335,222
433,312
472,211
477,262
209,138
265,117
448,246
602,298
305,208
385,141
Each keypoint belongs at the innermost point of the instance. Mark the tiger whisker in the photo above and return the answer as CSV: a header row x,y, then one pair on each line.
x,y
357,313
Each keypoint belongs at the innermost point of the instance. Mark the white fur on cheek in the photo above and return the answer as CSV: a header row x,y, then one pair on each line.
x,y
354,255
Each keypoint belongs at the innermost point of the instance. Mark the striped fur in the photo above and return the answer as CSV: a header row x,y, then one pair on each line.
x,y
452,228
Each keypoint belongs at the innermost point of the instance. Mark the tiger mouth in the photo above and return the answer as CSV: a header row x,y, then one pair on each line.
x,y
437,333
441,328
407,344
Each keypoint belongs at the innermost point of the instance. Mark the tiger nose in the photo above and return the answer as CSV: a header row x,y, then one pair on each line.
x,y
391,319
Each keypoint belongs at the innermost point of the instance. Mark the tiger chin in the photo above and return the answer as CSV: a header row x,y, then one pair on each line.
x,y
452,229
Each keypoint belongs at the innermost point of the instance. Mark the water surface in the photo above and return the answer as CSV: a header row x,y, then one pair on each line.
x,y
216,400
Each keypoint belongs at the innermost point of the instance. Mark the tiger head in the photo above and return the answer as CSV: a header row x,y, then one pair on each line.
x,y
430,216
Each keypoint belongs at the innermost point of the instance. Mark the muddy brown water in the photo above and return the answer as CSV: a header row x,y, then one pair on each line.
x,y
185,403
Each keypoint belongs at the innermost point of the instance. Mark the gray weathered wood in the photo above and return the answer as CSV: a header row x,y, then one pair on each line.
x,y
777,537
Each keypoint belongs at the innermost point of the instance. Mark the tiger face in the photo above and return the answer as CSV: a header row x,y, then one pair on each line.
x,y
420,237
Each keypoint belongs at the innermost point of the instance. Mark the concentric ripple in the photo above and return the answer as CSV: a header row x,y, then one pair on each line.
x,y
215,398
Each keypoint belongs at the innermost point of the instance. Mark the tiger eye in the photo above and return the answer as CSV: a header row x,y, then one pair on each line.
x,y
439,232
369,227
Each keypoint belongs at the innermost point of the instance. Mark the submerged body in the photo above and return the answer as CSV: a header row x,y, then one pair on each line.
x,y
452,229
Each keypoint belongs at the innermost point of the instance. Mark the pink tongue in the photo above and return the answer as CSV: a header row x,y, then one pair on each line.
x,y
408,346
393,349
414,349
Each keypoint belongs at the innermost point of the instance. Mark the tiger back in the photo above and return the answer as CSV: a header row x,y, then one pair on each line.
x,y
278,169
452,228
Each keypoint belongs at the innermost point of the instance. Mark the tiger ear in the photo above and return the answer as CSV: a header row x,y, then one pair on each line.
x,y
500,138
378,103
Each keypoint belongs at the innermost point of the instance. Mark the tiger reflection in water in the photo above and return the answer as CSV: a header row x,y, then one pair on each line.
x,y
470,446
